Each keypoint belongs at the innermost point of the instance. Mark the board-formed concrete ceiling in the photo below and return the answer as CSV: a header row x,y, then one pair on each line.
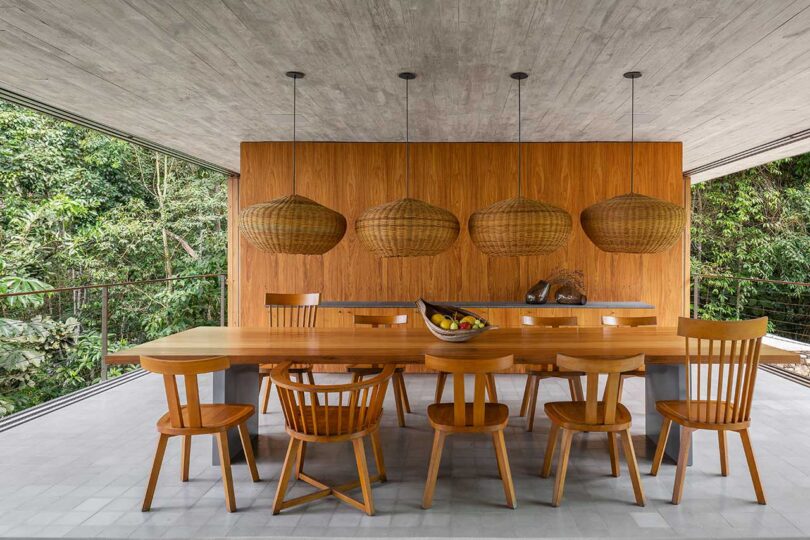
x,y
200,76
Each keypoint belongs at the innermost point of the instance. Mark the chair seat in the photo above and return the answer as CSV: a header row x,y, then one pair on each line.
x,y
680,412
496,415
370,369
571,415
265,369
331,421
550,370
216,417
640,372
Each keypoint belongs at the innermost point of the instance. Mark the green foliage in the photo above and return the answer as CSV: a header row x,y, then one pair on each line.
x,y
77,207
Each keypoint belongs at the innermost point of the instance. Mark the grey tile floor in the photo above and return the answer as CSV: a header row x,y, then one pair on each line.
x,y
81,472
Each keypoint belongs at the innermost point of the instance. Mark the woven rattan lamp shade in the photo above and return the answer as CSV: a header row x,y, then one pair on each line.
x,y
406,228
633,223
519,226
293,225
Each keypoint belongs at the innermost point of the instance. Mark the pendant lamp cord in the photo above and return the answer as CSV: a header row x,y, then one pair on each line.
x,y
519,145
407,144
293,156
632,131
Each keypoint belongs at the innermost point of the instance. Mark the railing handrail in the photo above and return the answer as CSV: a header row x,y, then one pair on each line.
x,y
108,285
757,280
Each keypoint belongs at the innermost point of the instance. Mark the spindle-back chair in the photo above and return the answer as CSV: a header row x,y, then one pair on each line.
x,y
593,415
464,417
537,373
328,414
721,363
195,418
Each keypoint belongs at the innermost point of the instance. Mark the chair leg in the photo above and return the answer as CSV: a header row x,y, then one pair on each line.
x,y
683,458
632,466
433,468
225,465
562,466
752,466
662,444
185,457
286,472
299,459
552,443
621,388
533,403
153,476
398,403
247,448
441,379
613,447
578,393
362,471
721,439
524,404
266,395
378,456
503,466
311,380
406,403
491,389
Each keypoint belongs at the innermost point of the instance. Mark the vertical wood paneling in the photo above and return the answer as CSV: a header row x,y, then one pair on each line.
x,y
462,177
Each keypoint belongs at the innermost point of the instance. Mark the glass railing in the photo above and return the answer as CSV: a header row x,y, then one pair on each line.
x,y
52,341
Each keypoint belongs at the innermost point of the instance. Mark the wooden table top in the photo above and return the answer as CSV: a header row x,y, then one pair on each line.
x,y
409,345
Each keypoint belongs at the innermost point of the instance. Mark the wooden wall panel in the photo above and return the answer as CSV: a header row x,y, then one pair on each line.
x,y
462,177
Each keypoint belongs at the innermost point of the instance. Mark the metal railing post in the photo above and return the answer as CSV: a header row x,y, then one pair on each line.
x,y
739,283
222,300
696,296
105,300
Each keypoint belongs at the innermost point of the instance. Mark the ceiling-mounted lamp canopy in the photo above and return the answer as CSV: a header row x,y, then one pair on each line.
x,y
633,223
292,224
519,226
406,227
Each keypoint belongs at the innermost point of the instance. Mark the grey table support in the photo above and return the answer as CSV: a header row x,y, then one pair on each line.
x,y
664,382
238,384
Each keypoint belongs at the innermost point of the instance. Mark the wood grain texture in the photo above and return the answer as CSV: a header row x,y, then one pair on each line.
x,y
661,345
462,177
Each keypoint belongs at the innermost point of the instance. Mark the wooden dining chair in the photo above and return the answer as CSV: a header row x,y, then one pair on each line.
x,y
593,415
721,363
195,418
359,372
630,322
289,311
537,373
463,417
349,412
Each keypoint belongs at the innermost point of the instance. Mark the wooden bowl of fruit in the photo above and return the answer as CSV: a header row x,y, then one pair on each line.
x,y
452,324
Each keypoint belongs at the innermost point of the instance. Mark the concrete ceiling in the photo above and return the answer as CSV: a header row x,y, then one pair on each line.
x,y
722,76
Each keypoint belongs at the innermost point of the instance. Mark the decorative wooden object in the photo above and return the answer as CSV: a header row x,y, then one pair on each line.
x,y
548,371
593,415
721,372
349,412
401,400
289,311
407,228
463,417
194,418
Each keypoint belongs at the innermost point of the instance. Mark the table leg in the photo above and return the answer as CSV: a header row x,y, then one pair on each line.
x,y
664,382
237,384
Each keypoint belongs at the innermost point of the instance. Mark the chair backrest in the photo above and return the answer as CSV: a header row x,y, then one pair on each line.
x,y
292,310
721,367
189,369
381,321
334,409
480,367
610,320
613,368
549,322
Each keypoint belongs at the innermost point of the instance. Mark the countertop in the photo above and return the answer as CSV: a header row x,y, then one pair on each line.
x,y
504,304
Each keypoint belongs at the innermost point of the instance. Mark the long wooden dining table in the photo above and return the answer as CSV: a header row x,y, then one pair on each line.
x,y
246,348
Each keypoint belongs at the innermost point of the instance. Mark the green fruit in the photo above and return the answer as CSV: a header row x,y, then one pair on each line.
x,y
454,325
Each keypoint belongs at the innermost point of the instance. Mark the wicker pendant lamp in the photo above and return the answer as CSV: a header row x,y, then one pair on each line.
x,y
519,226
633,223
407,227
292,224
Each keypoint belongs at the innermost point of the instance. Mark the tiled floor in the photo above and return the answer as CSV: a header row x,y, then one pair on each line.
x,y
81,471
